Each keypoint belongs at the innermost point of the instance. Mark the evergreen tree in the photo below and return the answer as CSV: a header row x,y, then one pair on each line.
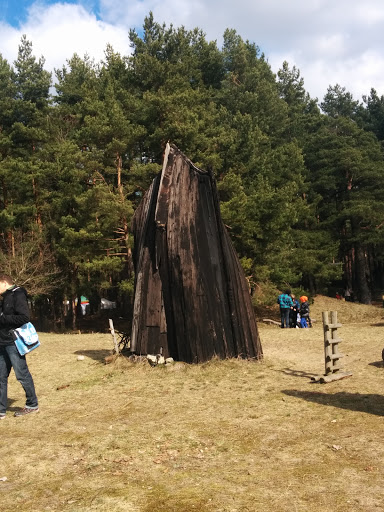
x,y
302,109
347,180
301,191
338,102
24,118
373,115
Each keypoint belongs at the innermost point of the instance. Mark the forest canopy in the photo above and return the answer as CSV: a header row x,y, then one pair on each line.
x,y
301,182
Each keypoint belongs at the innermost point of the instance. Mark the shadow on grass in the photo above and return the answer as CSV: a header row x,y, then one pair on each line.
x,y
296,373
96,355
10,401
378,364
13,408
371,404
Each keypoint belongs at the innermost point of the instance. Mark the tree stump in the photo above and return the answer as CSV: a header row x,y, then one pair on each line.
x,y
191,295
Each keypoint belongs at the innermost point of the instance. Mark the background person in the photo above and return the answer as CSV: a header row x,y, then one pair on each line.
x,y
285,302
304,312
294,312
14,312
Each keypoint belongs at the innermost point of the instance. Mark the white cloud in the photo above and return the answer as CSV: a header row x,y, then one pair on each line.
x,y
60,30
9,40
328,41
370,13
334,44
133,12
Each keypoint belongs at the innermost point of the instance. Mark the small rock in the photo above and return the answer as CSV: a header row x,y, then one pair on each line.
x,y
152,360
80,358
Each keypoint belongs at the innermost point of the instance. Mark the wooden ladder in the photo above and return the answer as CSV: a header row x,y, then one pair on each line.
x,y
332,355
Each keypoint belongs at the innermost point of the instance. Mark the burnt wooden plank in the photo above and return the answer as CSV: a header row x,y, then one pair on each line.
x,y
189,281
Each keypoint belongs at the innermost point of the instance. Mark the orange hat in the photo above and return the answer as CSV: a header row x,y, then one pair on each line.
x,y
303,298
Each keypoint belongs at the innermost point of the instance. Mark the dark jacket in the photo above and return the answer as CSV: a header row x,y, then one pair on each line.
x,y
296,307
304,309
14,312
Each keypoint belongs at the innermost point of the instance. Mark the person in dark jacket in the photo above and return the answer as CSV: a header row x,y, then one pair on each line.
x,y
294,312
14,312
304,312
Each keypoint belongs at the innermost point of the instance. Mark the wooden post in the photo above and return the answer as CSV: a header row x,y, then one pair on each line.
x,y
332,355
327,346
335,355
112,329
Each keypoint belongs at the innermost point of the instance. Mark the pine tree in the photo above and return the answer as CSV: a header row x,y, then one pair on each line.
x,y
347,180
373,114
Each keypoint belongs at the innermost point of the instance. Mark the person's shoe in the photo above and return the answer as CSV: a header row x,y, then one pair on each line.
x,y
2,415
26,410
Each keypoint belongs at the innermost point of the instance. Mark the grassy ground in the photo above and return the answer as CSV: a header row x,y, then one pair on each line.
x,y
226,436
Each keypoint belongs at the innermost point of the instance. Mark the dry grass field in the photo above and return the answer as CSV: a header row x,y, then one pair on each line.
x,y
225,436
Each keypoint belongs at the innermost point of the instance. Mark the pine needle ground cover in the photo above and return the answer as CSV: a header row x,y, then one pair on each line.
x,y
225,436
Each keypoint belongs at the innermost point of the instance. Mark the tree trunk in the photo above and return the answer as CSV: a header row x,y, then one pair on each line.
x,y
125,234
363,291
74,313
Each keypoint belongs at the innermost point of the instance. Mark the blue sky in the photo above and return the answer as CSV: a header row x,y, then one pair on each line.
x,y
330,41
15,12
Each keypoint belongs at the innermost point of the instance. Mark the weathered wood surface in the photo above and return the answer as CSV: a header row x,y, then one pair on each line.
x,y
332,355
191,296
331,343
323,379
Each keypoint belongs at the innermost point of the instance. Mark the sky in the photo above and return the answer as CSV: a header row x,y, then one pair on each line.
x,y
330,41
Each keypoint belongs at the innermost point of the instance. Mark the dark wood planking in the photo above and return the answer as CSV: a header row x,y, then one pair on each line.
x,y
192,300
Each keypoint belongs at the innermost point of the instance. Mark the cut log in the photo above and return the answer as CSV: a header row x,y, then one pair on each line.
x,y
334,326
272,322
337,367
333,357
323,379
334,376
334,341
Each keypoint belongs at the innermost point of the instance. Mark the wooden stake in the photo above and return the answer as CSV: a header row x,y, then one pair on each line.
x,y
112,329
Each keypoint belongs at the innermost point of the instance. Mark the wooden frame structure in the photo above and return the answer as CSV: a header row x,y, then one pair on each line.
x,y
332,355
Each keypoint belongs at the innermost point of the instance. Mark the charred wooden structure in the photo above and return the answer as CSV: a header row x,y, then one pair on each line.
x,y
192,300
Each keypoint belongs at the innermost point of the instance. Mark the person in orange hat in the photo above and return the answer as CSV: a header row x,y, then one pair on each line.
x,y
304,312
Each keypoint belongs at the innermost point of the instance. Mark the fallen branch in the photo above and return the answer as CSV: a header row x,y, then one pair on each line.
x,y
269,321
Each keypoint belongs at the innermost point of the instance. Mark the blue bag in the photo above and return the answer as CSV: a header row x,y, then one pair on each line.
x,y
26,338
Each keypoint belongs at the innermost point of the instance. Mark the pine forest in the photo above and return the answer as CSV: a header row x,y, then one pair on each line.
x,y
300,179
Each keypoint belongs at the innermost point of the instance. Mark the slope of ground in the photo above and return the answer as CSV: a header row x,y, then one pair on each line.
x,y
350,312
